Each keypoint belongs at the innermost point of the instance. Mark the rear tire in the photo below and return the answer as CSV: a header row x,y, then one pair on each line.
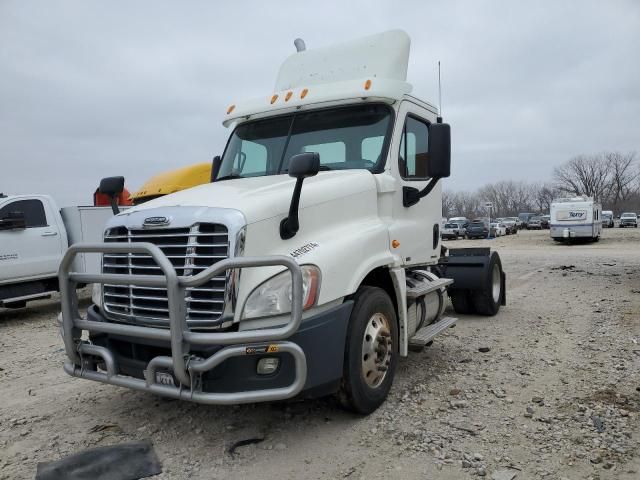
x,y
371,353
487,300
461,301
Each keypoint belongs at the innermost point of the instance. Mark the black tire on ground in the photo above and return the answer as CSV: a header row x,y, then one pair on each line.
x,y
487,299
356,392
461,301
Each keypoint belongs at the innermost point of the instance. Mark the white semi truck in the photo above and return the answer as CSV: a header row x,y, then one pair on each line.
x,y
575,218
34,235
311,263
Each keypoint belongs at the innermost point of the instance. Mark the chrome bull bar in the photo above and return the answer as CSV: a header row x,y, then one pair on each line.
x,y
186,368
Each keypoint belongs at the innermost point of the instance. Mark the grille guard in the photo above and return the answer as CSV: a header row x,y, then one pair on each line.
x,y
185,368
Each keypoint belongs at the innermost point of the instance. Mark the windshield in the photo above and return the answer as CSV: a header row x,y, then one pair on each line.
x,y
628,215
346,138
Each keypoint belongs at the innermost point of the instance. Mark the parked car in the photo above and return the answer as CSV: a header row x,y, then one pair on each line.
x,y
524,219
607,219
498,229
515,220
451,231
462,222
534,223
545,221
628,219
478,228
511,226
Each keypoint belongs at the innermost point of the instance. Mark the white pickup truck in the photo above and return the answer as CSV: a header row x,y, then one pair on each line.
x,y
308,267
34,234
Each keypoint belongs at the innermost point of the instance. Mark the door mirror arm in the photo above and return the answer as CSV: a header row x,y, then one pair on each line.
x,y
301,166
411,195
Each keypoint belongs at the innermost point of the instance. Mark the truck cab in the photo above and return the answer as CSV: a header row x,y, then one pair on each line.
x,y
311,263
32,242
34,236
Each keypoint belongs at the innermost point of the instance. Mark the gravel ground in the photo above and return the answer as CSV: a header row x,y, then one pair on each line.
x,y
557,395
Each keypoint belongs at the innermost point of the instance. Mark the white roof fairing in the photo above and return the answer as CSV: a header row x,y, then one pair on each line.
x,y
385,55
336,74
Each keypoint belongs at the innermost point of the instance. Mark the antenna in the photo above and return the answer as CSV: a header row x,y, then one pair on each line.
x,y
439,119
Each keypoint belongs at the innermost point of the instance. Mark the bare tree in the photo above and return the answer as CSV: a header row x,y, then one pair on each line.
x,y
623,177
584,175
544,195
448,209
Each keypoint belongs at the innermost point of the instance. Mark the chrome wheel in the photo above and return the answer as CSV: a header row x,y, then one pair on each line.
x,y
496,283
376,350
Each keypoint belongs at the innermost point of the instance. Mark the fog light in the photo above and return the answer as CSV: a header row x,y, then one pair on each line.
x,y
268,365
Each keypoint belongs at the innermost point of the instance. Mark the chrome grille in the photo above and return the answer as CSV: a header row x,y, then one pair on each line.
x,y
190,250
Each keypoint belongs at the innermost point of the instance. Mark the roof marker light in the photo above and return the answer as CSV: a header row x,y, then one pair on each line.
x,y
367,85
288,96
274,98
230,109
304,93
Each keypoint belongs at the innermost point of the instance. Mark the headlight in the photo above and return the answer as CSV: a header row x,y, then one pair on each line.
x,y
96,294
273,297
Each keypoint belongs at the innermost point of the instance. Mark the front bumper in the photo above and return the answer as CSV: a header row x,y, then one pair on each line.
x,y
320,337
196,361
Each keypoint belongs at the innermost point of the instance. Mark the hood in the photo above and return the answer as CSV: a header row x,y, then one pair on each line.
x,y
259,198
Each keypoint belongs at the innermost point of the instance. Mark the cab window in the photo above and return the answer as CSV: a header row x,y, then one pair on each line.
x,y
32,209
414,149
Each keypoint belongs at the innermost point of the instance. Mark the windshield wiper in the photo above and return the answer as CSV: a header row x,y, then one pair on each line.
x,y
229,177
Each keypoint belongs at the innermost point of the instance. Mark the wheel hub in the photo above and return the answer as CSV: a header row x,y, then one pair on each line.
x,y
376,350
496,282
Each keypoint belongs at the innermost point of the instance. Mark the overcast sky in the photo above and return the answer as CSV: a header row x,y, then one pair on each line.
x,y
90,89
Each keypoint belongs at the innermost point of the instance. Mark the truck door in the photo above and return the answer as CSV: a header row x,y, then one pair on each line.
x,y
32,251
417,228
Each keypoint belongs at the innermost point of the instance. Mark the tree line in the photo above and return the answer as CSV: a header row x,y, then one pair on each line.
x,y
612,178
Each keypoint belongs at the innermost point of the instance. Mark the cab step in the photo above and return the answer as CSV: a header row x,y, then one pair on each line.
x,y
427,334
427,287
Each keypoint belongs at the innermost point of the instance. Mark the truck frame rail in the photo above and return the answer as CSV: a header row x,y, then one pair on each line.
x,y
186,367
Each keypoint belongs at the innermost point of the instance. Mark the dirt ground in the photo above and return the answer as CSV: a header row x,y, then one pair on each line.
x,y
556,396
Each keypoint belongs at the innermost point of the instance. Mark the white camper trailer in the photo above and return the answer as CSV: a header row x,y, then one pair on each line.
x,y
577,217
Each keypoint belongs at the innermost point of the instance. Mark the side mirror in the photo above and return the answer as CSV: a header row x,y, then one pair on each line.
x,y
112,187
301,166
215,167
13,221
304,165
439,165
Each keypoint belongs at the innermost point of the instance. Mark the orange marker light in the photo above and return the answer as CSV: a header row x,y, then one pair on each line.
x,y
288,96
230,109
367,85
304,93
273,99
395,243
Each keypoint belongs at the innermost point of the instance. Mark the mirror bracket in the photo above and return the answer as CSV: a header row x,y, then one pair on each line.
x,y
301,166
112,187
411,196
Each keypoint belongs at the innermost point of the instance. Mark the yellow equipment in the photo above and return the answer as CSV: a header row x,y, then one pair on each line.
x,y
173,181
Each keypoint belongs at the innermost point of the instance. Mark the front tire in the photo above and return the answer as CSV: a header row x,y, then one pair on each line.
x,y
371,353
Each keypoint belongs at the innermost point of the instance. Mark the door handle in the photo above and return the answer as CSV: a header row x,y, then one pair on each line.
x,y
49,234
